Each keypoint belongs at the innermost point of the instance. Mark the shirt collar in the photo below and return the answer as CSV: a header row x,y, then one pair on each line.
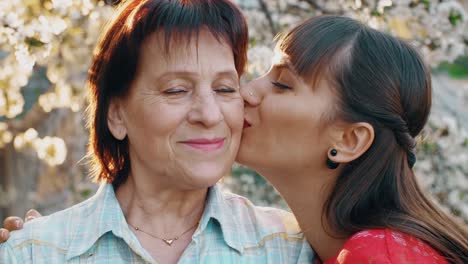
x,y
103,210
245,226
216,209
98,215
235,215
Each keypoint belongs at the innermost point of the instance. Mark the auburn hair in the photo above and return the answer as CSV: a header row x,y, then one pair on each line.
x,y
116,58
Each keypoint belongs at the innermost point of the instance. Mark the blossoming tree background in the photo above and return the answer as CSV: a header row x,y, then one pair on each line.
x,y
45,51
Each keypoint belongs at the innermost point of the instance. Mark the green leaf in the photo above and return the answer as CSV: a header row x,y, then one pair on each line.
x,y
427,4
461,195
86,193
429,147
456,211
454,17
34,42
375,12
457,69
253,42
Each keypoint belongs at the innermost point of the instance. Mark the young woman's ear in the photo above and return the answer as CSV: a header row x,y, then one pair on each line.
x,y
115,120
355,140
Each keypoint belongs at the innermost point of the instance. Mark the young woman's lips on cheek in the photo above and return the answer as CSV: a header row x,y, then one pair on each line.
x,y
204,144
246,124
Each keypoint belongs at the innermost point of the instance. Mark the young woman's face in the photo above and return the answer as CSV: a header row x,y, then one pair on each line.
x,y
286,126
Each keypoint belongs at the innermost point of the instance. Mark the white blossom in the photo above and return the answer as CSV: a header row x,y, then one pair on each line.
x,y
52,150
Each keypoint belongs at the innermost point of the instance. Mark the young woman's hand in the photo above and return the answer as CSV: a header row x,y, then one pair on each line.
x,y
16,223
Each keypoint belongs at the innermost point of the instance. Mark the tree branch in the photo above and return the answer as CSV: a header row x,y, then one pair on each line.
x,y
323,9
264,8
31,119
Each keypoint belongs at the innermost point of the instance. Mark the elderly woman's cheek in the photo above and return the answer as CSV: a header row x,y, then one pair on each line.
x,y
234,115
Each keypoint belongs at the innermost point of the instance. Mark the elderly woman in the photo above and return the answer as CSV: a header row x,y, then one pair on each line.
x,y
166,118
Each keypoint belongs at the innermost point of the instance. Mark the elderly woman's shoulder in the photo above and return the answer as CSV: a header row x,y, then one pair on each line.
x,y
53,230
272,220
266,229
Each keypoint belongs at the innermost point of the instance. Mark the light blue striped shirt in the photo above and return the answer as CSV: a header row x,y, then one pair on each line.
x,y
231,230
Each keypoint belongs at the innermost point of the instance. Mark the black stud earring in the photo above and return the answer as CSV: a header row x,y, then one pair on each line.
x,y
330,163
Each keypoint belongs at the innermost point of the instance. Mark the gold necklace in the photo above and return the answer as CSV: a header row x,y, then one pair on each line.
x,y
168,241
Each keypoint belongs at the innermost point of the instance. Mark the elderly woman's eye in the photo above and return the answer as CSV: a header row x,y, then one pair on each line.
x,y
175,91
225,89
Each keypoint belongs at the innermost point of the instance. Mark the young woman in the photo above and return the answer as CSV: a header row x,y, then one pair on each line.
x,y
332,126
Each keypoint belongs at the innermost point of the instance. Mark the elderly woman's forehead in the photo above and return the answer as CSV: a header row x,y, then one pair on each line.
x,y
179,44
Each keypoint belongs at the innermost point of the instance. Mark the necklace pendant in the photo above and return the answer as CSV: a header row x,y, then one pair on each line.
x,y
168,241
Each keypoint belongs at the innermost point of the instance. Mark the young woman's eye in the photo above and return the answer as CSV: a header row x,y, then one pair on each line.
x,y
281,86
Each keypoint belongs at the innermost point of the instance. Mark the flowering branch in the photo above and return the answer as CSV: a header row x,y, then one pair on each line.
x,y
322,9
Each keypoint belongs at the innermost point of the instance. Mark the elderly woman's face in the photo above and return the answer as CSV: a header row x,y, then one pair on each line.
x,y
183,115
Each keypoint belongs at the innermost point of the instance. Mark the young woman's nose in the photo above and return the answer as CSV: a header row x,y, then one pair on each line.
x,y
252,93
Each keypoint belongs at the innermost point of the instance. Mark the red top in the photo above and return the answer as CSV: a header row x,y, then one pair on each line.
x,y
385,246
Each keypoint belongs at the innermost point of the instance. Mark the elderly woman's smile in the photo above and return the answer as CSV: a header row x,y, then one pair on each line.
x,y
205,144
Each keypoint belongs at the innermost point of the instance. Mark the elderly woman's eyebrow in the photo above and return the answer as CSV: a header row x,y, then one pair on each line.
x,y
228,74
231,74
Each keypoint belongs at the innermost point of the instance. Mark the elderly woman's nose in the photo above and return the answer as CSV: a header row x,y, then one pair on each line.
x,y
206,110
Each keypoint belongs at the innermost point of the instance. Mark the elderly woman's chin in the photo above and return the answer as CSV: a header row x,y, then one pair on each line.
x,y
206,174
191,166
191,174
199,173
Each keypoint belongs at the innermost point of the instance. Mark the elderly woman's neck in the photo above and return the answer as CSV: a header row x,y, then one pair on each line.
x,y
161,209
